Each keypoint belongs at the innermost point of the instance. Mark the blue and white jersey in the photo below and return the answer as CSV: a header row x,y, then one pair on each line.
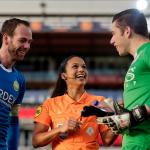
x,y
12,88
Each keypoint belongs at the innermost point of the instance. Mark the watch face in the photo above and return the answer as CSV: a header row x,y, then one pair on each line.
x,y
64,135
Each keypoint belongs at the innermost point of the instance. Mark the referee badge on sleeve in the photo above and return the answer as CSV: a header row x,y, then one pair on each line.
x,y
38,111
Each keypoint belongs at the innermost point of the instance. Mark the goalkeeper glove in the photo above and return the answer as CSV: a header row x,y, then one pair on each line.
x,y
92,110
124,118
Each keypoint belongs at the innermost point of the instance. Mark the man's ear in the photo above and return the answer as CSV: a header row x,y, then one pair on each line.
x,y
63,76
128,31
5,38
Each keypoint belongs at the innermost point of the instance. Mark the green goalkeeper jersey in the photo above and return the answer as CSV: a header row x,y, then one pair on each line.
x,y
137,92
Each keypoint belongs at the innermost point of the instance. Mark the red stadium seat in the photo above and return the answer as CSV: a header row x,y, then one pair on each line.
x,y
27,112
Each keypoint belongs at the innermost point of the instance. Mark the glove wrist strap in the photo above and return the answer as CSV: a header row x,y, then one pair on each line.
x,y
139,114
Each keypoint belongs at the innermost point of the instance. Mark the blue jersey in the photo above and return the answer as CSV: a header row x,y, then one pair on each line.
x,y
12,88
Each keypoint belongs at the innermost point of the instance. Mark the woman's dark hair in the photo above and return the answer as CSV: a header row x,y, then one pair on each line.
x,y
134,19
61,87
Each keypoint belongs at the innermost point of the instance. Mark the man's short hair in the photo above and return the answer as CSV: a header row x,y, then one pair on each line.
x,y
134,19
10,25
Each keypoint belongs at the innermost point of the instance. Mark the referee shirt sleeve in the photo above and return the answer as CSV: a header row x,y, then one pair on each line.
x,y
42,114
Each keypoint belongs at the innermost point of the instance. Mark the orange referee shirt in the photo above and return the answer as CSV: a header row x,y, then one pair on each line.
x,y
55,111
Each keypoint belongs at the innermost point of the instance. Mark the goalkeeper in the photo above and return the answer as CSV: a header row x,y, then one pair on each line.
x,y
130,36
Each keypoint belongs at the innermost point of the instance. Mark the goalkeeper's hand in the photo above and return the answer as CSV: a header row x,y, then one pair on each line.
x,y
92,110
125,118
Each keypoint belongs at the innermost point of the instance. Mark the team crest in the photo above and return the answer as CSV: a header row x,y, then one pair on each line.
x,y
38,111
90,131
16,85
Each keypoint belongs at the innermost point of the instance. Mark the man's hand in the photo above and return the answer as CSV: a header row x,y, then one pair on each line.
x,y
92,110
124,118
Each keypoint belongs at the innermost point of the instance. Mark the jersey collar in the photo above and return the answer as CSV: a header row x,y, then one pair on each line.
x,y
141,47
81,100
